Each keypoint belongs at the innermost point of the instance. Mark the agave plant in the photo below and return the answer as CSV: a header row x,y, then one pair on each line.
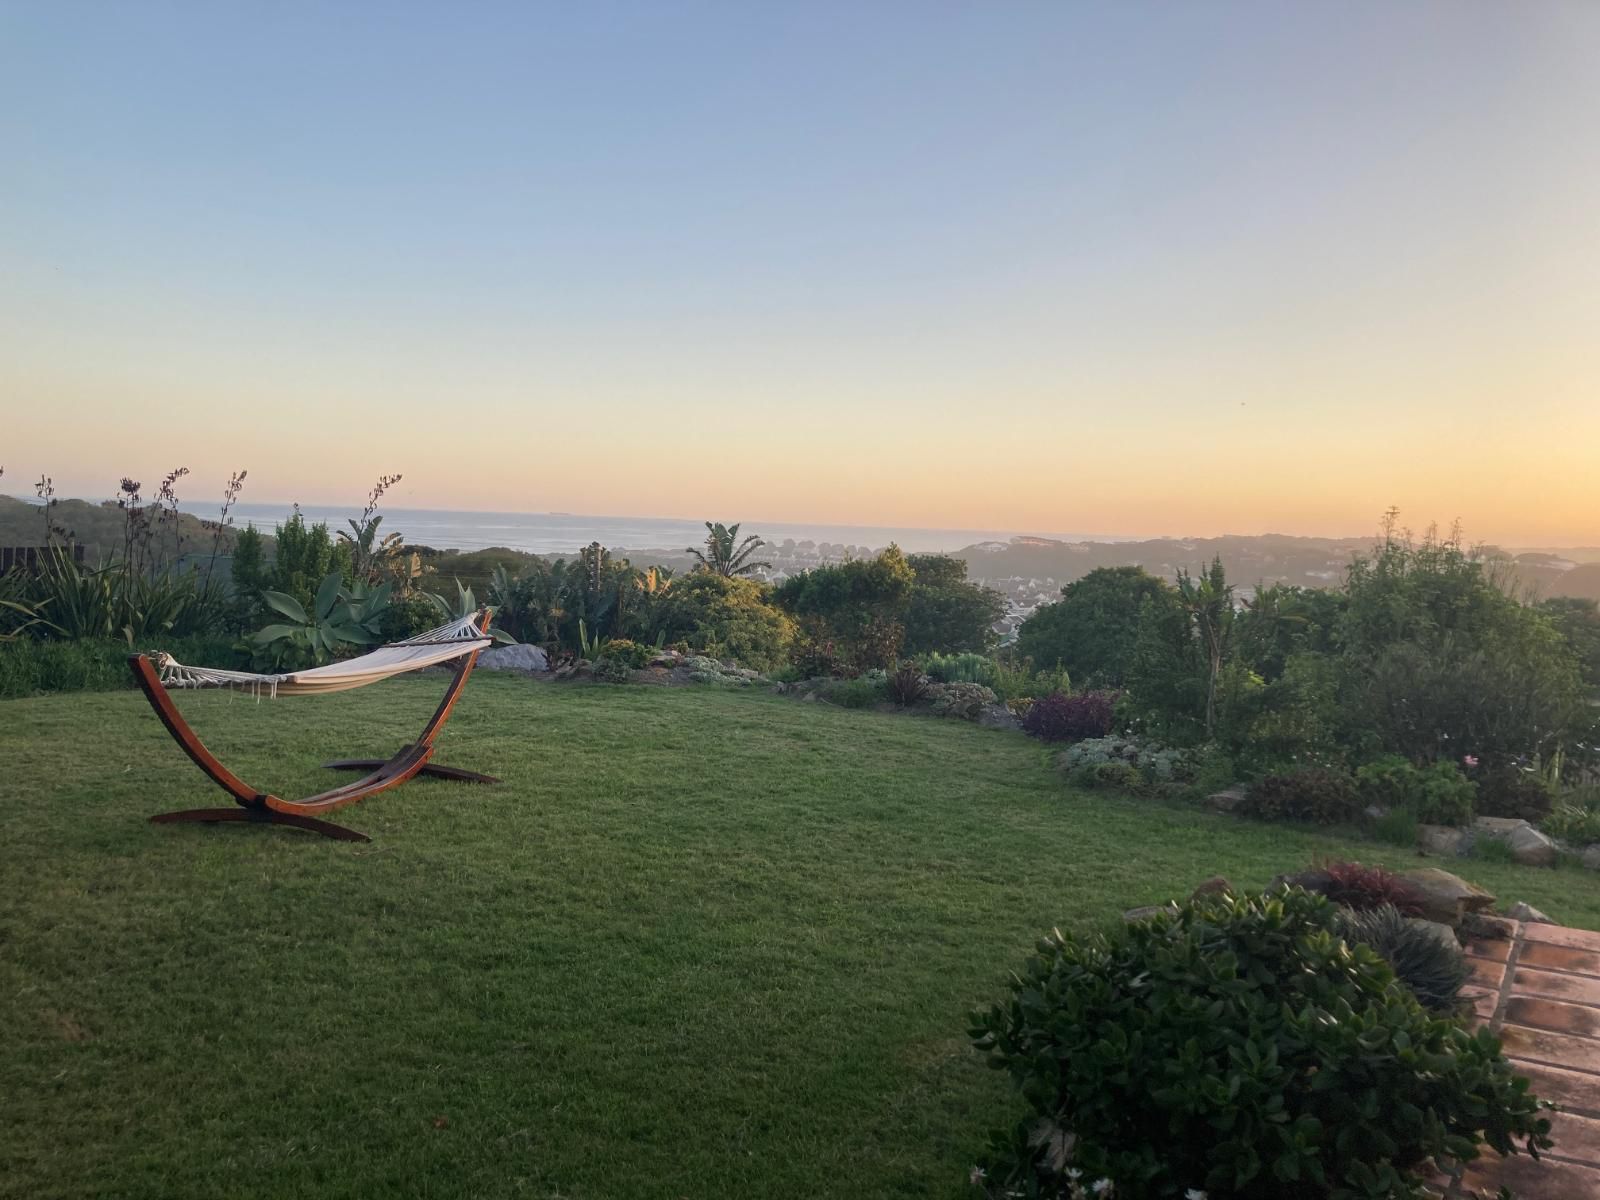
x,y
339,618
466,605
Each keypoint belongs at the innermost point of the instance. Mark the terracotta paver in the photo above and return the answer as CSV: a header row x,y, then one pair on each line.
x,y
1538,988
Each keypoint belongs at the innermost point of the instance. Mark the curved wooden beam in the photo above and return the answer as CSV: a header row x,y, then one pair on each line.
x,y
256,805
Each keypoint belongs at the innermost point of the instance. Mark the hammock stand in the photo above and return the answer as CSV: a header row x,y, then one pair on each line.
x,y
384,773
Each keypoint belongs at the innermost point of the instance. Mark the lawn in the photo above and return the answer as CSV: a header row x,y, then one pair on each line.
x,y
699,944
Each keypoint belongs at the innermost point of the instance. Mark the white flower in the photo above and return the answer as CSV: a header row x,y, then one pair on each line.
x,y
1194,1194
1073,1173
1101,1187
976,1176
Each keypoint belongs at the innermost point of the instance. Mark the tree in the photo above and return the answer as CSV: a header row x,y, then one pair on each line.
x,y
1578,622
1093,629
946,611
725,554
860,605
1208,602
723,616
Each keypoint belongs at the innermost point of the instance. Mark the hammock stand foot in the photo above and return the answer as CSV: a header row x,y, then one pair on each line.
x,y
435,770
260,816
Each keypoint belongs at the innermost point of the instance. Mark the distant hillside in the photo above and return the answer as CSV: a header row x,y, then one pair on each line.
x,y
1042,566
97,526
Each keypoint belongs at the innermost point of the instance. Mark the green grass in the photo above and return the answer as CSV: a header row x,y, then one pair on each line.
x,y
699,944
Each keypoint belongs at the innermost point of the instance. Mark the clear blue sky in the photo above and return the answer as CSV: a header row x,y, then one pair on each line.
x,y
1133,267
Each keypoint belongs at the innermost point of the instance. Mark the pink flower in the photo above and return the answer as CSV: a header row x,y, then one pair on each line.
x,y
1470,759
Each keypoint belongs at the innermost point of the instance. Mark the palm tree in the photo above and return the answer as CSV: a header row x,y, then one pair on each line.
x,y
722,557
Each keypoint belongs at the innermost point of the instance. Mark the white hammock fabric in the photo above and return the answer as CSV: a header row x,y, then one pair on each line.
x,y
425,650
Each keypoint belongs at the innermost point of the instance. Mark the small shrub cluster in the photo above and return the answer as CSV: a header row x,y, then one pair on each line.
x,y
907,685
864,691
1063,718
964,701
1575,819
1438,794
1109,776
630,654
1157,763
1008,678
1238,1046
1514,792
1364,888
1314,794
708,670
1423,957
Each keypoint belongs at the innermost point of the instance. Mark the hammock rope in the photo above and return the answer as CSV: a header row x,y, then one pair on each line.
x,y
448,641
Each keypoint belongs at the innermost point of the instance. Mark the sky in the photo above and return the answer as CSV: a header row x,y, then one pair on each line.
x,y
1137,268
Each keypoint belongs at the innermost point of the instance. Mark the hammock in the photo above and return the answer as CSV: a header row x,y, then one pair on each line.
x,y
424,650
459,640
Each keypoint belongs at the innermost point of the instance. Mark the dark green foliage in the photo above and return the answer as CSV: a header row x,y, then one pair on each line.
x,y
408,616
1438,794
629,653
1092,630
861,692
1509,791
1355,885
1578,623
1240,1046
907,685
306,554
1319,795
1109,776
724,616
1282,621
1575,819
30,667
1423,957
859,606
946,611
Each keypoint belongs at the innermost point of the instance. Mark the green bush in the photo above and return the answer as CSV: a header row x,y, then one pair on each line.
x,y
1513,792
1438,794
1109,776
1157,763
1424,958
29,668
961,668
963,701
408,616
862,692
1576,817
1238,1046
629,653
725,617
1315,794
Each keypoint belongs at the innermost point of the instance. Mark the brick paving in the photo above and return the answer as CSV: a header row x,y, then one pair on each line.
x,y
1538,988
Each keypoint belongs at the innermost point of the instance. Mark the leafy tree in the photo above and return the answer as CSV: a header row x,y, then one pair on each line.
x,y
1093,629
723,616
1283,620
1208,602
946,612
725,555
859,605
1578,622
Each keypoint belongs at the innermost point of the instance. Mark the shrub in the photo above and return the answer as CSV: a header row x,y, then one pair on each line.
x,y
962,668
408,616
1576,817
1512,792
1365,888
962,700
908,685
631,654
1061,718
612,670
1109,776
816,656
1423,957
855,693
1437,795
1157,763
726,617
1315,794
1239,1046
29,668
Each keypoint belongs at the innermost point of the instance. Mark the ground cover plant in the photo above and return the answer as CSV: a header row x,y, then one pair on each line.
x,y
699,943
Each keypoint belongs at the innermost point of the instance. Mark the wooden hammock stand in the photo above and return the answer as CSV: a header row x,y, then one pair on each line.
x,y
253,805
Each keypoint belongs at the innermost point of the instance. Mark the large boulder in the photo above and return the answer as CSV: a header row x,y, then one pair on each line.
x,y
1226,800
998,716
524,658
1445,897
1532,848
1443,841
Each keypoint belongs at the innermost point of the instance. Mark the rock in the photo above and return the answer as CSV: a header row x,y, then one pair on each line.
x,y
1523,911
1226,800
1446,897
1531,848
524,658
1443,841
1216,885
809,697
1591,857
1499,827
998,716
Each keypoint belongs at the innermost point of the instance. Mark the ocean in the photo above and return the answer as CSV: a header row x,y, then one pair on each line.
x,y
564,533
